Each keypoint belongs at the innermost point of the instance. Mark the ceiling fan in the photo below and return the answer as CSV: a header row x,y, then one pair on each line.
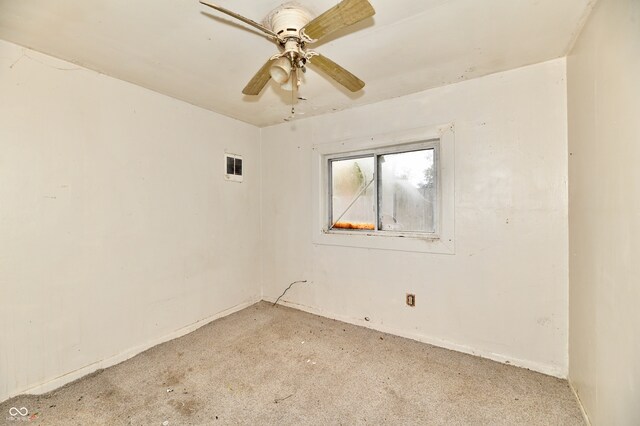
x,y
292,29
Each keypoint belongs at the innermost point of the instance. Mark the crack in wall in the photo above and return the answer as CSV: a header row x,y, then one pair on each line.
x,y
25,55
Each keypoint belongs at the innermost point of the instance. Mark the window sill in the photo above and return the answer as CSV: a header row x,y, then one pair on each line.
x,y
415,243
384,234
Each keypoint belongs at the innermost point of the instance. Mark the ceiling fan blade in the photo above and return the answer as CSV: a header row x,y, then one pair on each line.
x,y
241,18
338,73
257,83
346,13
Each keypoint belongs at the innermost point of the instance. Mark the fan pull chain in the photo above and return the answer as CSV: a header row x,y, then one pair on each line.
x,y
293,105
294,87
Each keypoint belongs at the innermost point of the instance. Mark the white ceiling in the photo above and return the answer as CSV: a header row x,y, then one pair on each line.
x,y
190,52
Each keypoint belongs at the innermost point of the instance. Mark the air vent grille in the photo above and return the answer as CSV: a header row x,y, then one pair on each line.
x,y
233,167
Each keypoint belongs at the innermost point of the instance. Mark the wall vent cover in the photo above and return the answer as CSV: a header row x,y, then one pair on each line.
x,y
233,167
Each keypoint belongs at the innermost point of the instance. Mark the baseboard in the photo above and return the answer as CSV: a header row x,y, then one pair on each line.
x,y
59,381
549,370
582,410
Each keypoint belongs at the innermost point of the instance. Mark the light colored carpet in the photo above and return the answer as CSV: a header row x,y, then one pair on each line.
x,y
275,365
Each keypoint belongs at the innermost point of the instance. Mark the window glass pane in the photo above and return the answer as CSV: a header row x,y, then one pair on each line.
x,y
352,193
230,165
407,191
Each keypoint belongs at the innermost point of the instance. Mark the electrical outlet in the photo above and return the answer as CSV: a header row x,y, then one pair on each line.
x,y
411,300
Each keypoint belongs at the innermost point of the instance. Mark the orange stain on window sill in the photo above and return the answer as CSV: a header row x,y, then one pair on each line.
x,y
349,225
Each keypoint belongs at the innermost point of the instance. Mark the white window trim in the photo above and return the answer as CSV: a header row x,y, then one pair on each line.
x,y
441,242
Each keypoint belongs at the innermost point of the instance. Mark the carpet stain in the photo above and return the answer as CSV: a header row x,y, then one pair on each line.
x,y
187,407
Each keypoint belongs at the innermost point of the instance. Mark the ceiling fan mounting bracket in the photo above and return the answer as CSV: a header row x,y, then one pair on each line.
x,y
305,38
310,54
276,56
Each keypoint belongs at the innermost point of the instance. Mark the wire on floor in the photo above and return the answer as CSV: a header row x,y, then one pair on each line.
x,y
284,292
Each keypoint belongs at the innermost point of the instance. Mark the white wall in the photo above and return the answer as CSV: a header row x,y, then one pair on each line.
x,y
118,232
604,205
116,228
504,293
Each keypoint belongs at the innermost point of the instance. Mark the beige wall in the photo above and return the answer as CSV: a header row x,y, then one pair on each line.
x,y
503,294
604,206
116,228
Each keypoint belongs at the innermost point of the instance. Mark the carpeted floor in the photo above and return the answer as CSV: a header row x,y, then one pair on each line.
x,y
275,365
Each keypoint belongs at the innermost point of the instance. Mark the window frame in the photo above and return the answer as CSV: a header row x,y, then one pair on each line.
x,y
442,241
376,153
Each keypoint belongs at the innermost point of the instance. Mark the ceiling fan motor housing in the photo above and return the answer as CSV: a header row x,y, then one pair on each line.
x,y
287,21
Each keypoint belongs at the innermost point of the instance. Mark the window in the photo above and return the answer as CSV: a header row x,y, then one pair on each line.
x,y
389,192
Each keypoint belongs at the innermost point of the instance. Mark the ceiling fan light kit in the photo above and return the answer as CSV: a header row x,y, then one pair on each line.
x,y
292,29
280,71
